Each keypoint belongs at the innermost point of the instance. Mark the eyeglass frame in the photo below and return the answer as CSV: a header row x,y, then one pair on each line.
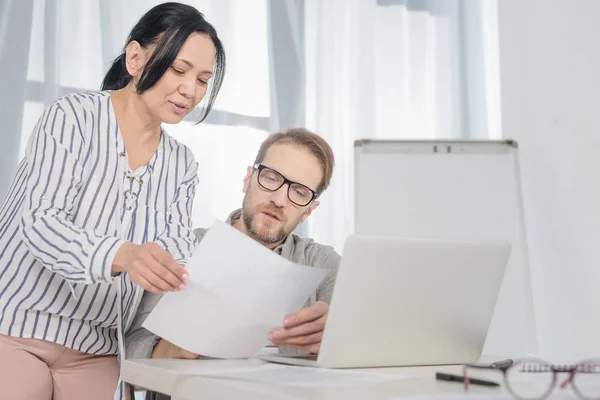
x,y
260,167
571,369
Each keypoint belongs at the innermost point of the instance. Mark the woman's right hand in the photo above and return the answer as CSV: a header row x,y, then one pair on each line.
x,y
151,267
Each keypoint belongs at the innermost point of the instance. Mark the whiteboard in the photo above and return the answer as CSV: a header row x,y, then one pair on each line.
x,y
459,190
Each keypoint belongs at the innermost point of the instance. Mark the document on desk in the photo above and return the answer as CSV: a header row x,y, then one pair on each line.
x,y
238,291
287,375
479,396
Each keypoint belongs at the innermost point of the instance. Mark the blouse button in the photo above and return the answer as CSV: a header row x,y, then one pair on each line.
x,y
121,155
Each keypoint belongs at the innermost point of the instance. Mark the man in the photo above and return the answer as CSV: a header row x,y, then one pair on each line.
x,y
290,171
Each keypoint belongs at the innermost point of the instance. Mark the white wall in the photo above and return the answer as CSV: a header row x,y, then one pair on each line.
x,y
550,82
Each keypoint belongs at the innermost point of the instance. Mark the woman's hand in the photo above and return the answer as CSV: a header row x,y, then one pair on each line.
x,y
151,267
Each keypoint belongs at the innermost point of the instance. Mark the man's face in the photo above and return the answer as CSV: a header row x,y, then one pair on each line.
x,y
270,216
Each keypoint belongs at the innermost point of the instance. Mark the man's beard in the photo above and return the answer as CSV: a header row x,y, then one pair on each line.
x,y
248,219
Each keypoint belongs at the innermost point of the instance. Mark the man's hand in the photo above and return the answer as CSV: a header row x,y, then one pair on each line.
x,y
302,330
166,349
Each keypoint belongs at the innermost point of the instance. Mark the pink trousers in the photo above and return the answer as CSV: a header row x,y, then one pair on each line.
x,y
32,369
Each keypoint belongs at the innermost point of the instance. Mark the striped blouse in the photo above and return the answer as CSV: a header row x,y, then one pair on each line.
x,y
73,203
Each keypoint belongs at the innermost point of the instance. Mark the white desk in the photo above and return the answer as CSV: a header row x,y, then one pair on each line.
x,y
170,377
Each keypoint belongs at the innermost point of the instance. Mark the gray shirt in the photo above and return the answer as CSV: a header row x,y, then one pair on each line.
x,y
139,342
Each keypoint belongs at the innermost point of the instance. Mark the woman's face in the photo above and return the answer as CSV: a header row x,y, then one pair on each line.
x,y
184,84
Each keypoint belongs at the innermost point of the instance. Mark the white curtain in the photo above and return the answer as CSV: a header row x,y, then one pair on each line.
x,y
15,22
395,69
348,69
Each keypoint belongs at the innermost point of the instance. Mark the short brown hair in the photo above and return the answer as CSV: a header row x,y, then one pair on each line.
x,y
307,139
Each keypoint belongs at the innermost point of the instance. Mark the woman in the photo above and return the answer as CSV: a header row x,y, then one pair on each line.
x,y
100,210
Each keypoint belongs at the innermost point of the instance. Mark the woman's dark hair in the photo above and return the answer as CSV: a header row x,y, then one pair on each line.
x,y
167,25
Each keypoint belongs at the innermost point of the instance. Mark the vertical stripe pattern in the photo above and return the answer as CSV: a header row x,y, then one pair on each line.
x,y
72,204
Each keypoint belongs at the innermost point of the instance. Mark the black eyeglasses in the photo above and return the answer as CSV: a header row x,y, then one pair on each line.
x,y
533,379
272,181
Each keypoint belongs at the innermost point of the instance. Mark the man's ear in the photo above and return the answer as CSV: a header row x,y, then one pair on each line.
x,y
249,172
135,58
310,209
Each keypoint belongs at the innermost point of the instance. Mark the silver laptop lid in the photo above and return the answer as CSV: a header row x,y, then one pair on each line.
x,y
400,301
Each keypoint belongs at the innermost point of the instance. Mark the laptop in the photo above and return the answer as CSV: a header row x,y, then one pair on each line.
x,y
409,302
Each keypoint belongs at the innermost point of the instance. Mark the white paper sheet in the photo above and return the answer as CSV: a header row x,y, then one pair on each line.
x,y
300,376
556,395
237,293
